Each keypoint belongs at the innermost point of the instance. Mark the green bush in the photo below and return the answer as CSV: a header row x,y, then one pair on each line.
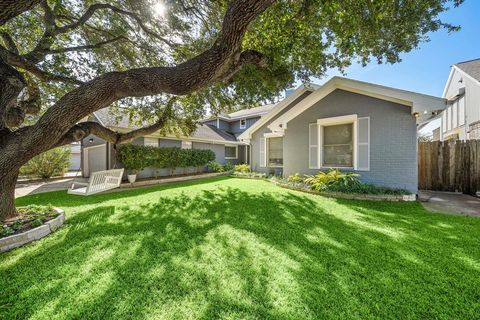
x,y
243,168
348,182
333,179
228,167
215,166
295,178
54,162
137,157
37,222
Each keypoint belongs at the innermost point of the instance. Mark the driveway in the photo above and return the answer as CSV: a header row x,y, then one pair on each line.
x,y
450,202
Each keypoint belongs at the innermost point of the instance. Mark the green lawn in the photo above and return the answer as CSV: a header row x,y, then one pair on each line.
x,y
242,249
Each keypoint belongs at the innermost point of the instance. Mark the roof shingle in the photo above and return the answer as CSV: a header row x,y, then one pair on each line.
x,y
471,67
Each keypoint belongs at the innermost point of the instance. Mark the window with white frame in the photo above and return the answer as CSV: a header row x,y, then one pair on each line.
x,y
275,152
231,152
449,118
243,123
186,144
337,146
340,142
444,121
153,142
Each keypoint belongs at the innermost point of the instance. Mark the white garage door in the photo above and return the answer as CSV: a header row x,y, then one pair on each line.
x,y
96,159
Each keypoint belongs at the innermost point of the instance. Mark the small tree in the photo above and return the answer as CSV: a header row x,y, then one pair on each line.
x,y
51,163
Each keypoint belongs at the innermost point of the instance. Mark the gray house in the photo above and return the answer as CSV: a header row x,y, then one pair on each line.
x,y
461,119
345,124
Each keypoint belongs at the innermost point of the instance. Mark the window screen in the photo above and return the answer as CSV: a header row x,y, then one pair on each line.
x,y
338,145
275,152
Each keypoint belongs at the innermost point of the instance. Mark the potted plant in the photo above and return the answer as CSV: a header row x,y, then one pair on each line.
x,y
133,158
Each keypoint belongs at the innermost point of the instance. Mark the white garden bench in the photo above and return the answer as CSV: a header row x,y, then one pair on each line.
x,y
98,182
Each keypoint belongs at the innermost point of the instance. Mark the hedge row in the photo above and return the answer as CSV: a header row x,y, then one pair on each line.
x,y
137,157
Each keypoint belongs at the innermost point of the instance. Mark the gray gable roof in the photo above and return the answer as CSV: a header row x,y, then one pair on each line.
x,y
471,67
203,131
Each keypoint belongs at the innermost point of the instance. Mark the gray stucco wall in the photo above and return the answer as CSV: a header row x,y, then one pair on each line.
x,y
170,143
393,149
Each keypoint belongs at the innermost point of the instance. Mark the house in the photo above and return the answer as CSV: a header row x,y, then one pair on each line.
x,y
346,124
461,119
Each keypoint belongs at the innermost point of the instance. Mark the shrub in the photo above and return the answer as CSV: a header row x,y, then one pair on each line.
x,y
133,157
228,166
5,231
37,222
295,178
243,168
137,157
215,166
17,225
348,182
51,163
333,179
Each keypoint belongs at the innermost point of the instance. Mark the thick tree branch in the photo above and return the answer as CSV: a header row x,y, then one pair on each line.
x,y
246,57
83,129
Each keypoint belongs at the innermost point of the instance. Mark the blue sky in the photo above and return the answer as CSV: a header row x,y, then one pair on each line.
x,y
426,68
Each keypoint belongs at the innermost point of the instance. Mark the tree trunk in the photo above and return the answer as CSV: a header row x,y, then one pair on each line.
x,y
7,195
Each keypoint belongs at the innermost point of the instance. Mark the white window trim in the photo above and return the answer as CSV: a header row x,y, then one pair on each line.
x,y
244,126
236,152
352,118
267,137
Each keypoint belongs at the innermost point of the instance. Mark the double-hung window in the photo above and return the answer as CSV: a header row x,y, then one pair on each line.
x,y
275,151
337,147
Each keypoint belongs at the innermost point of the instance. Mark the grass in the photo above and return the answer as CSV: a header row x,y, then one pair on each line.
x,y
242,249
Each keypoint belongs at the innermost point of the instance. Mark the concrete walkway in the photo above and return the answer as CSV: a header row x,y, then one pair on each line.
x,y
450,202
24,188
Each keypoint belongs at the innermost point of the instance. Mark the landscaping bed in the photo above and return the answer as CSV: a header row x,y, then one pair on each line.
x,y
338,182
27,218
32,223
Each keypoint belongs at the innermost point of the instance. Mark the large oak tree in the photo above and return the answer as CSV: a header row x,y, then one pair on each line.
x,y
61,60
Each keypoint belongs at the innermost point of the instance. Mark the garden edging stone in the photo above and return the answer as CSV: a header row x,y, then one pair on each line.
x,y
17,240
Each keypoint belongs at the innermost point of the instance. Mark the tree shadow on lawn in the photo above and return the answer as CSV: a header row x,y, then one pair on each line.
x,y
227,253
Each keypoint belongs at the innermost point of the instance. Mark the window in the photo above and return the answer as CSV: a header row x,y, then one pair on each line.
x,y
153,142
455,114
231,152
275,152
449,118
243,123
186,144
337,145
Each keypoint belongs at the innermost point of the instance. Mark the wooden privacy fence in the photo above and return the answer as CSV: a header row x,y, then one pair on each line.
x,y
449,166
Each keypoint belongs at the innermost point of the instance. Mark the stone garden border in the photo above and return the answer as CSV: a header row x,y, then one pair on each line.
x,y
17,240
341,195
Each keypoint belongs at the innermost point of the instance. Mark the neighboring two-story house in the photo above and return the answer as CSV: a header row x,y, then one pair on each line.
x,y
461,119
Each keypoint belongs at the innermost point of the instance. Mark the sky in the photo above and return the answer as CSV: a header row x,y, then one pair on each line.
x,y
426,69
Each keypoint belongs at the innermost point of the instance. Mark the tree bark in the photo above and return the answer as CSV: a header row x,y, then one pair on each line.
x,y
7,195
